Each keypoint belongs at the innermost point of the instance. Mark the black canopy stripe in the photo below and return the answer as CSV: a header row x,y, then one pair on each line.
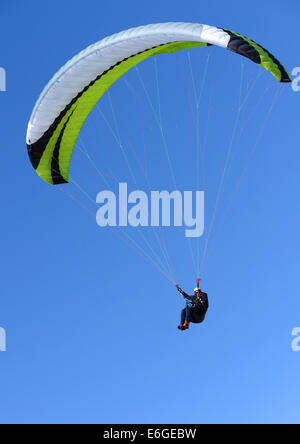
x,y
240,46
55,168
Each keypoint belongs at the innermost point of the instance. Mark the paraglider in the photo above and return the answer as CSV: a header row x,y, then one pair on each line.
x,y
73,92
196,308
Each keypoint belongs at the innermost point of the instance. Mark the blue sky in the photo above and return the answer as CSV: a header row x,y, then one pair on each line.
x,y
91,326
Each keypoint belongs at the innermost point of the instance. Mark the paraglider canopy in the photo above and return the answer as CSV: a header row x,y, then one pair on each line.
x,y
72,93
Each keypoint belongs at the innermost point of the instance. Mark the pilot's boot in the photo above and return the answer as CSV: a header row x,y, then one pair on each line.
x,y
185,325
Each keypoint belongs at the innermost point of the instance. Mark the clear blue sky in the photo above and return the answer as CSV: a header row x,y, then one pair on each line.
x,y
91,327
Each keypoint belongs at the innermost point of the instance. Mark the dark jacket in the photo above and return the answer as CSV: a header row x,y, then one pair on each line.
x,y
199,305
